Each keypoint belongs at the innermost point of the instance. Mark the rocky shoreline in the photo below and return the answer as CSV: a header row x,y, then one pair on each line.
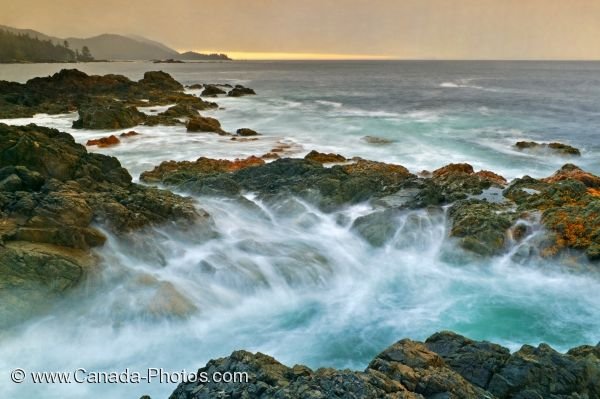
x,y
445,366
57,200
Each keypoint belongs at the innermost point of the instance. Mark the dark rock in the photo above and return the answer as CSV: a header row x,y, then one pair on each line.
x,y
239,91
108,115
447,365
159,80
103,101
129,134
204,124
245,132
558,148
53,194
212,91
328,187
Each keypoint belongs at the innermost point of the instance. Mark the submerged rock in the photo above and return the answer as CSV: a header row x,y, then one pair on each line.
x,y
376,140
446,365
558,148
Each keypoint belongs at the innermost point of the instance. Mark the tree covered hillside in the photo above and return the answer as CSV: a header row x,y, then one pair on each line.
x,y
24,48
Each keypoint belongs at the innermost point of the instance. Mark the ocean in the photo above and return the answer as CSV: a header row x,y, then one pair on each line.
x,y
297,283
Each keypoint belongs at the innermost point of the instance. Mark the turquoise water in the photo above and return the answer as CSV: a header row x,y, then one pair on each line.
x,y
298,284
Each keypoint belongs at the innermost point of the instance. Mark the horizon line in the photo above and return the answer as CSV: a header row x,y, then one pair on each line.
x,y
303,56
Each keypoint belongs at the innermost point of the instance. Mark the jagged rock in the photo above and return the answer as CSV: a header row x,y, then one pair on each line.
x,y
204,124
328,187
103,101
239,91
570,171
558,148
159,80
447,366
212,91
569,207
108,115
171,172
53,193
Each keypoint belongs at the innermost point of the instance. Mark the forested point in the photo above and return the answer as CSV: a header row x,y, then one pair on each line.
x,y
24,48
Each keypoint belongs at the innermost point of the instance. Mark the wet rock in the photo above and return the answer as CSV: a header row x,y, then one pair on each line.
x,y
328,187
171,172
54,193
104,141
212,91
570,171
558,148
204,124
377,228
324,158
129,134
459,181
108,115
270,155
447,365
196,86
481,227
569,210
103,101
159,81
245,132
239,91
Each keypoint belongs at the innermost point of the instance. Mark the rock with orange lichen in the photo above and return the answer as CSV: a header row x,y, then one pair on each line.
x,y
327,187
104,141
569,208
172,172
451,183
570,171
321,157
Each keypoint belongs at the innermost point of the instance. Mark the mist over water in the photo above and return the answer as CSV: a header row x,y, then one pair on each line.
x,y
289,280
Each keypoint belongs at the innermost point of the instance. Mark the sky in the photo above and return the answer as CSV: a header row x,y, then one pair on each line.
x,y
287,29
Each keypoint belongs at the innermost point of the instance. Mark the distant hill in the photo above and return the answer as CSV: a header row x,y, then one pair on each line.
x,y
29,47
193,56
119,47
